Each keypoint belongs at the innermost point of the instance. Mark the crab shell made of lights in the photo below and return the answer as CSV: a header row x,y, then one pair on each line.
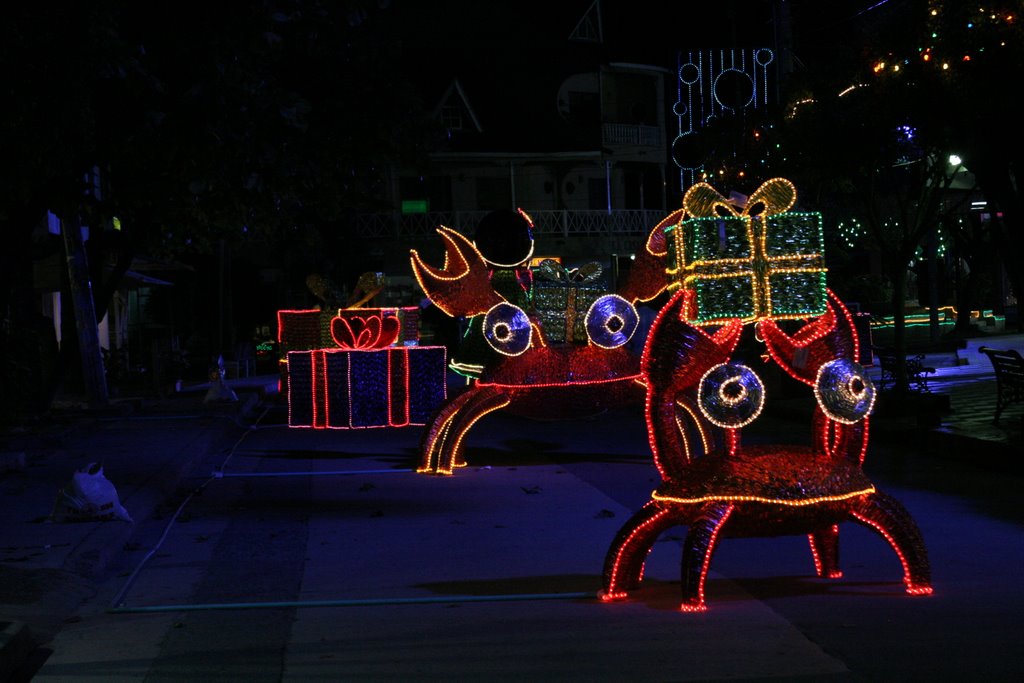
x,y
717,487
533,378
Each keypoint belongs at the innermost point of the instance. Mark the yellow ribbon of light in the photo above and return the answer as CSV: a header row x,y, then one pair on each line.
x,y
777,195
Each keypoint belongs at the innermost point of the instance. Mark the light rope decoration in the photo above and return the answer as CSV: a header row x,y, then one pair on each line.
x,y
754,262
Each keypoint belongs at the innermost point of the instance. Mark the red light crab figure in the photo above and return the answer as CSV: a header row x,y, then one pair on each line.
x,y
711,482
563,359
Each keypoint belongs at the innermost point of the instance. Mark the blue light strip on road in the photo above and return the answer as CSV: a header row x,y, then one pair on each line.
x,y
338,473
371,602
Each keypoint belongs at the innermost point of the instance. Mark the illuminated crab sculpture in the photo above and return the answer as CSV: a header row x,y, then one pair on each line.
x,y
756,263
485,280
718,487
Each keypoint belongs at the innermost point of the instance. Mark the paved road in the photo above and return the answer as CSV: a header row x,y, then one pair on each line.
x,y
489,574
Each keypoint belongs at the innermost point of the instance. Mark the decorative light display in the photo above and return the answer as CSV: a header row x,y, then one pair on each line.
x,y
508,329
854,235
352,328
357,330
346,389
647,274
562,297
344,370
462,285
851,232
844,391
731,395
960,34
547,342
716,486
713,84
754,263
670,375
947,318
298,330
611,321
549,381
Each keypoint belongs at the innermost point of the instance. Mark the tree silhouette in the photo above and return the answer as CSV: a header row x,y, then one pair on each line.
x,y
210,129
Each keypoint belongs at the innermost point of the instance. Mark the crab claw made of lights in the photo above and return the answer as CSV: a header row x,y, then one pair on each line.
x,y
717,487
462,285
531,376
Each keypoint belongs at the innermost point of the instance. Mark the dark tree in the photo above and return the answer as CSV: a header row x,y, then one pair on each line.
x,y
213,130
870,134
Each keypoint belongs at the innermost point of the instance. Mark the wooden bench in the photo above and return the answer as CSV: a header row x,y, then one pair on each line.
x,y
1009,367
917,371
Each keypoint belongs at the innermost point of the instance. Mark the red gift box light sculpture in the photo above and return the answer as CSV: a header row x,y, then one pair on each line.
x,y
527,367
359,367
697,402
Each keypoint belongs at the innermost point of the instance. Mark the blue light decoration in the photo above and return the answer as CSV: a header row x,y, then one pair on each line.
x,y
731,395
507,329
611,321
715,83
844,391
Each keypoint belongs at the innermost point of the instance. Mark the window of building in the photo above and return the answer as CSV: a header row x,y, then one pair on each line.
x,y
451,117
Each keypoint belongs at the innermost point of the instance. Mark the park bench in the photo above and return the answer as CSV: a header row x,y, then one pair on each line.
x,y
917,371
1009,368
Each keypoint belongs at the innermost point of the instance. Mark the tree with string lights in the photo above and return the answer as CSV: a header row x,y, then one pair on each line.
x,y
961,63
875,142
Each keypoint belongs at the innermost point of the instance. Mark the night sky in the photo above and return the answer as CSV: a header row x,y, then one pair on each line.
x,y
504,53
489,35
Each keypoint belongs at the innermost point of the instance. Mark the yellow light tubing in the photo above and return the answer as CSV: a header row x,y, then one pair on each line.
x,y
757,261
745,498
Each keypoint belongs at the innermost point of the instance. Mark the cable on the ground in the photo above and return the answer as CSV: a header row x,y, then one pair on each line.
x,y
370,602
132,577
220,474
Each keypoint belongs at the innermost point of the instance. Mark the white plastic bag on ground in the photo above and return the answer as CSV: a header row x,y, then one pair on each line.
x,y
219,390
89,497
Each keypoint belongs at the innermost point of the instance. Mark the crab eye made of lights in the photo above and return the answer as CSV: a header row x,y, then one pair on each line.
x,y
611,321
844,391
507,329
731,395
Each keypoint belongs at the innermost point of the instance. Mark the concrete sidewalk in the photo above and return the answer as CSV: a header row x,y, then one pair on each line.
x,y
964,380
145,447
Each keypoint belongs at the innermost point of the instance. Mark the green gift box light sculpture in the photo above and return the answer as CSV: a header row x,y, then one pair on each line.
x,y
757,261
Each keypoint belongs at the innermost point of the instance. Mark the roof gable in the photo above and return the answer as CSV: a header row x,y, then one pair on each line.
x,y
454,110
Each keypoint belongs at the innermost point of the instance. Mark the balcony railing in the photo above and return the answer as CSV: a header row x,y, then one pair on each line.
x,y
631,134
564,223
